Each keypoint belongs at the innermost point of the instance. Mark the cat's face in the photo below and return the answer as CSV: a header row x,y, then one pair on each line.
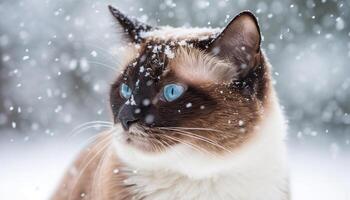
x,y
206,90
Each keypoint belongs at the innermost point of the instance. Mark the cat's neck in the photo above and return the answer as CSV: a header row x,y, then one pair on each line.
x,y
268,181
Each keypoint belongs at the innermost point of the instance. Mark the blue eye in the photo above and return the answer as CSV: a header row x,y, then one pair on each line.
x,y
125,91
172,92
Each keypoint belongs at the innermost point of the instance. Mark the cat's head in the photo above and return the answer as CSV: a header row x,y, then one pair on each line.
x,y
204,89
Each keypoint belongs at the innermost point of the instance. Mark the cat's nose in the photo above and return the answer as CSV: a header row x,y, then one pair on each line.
x,y
127,117
126,122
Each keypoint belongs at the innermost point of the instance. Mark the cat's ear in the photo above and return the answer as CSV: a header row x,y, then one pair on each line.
x,y
131,26
239,43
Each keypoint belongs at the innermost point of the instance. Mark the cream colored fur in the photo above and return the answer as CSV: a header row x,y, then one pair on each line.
x,y
257,170
197,66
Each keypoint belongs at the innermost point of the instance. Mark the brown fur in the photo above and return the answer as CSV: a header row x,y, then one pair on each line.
x,y
230,108
97,180
228,102
96,174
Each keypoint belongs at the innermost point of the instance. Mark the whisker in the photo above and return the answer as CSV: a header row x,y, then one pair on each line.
x,y
91,122
179,154
103,148
194,136
91,138
103,65
82,126
191,145
194,128
111,56
74,134
154,146
96,182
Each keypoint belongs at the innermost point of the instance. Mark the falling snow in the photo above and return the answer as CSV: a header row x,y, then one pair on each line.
x,y
57,62
93,53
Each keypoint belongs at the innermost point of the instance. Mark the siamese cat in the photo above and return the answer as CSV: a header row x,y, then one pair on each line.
x,y
195,117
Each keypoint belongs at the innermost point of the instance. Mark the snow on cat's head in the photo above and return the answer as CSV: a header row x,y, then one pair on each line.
x,y
189,92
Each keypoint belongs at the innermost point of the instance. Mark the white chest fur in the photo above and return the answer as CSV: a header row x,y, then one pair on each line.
x,y
248,185
255,171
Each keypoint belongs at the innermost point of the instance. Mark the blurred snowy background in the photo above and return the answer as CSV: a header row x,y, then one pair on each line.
x,y
55,72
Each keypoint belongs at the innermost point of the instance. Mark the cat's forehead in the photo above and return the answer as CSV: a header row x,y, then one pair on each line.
x,y
179,50
150,61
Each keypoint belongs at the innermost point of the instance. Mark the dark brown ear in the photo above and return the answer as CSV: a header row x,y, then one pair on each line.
x,y
239,43
131,26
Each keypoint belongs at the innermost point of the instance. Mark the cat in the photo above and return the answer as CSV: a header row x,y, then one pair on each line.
x,y
196,116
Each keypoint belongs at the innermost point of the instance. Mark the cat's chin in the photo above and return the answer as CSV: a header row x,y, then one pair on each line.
x,y
136,138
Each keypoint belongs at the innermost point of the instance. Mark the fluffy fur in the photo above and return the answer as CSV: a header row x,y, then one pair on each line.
x,y
257,170
222,139
198,67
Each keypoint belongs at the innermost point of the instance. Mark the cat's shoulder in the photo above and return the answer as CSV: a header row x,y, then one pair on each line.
x,y
86,176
